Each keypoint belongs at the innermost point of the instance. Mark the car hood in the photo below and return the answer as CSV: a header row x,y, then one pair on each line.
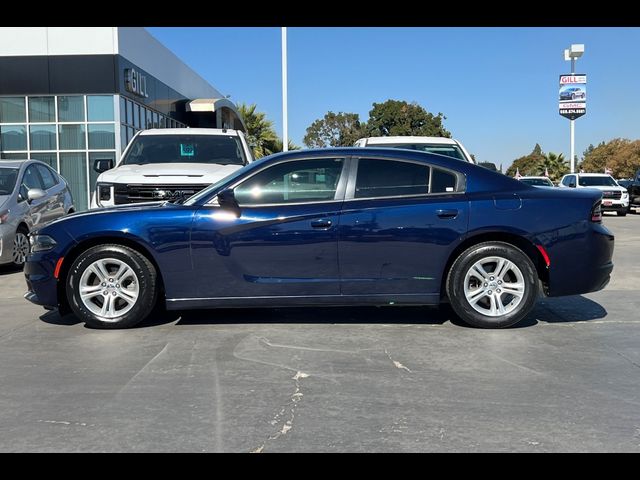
x,y
169,173
603,188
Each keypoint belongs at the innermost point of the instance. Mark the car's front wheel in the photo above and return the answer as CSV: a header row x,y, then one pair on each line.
x,y
492,285
111,286
20,248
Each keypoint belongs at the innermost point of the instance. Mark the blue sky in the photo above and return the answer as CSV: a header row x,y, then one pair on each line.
x,y
498,87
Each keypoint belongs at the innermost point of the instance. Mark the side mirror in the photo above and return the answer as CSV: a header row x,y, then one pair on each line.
x,y
227,201
35,194
102,164
572,184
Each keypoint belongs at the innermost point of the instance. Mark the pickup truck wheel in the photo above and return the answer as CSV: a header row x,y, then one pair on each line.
x,y
111,286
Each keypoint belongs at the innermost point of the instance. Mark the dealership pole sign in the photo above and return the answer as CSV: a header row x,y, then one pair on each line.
x,y
573,95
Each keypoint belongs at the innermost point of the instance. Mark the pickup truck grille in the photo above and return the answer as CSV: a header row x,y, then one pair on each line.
x,y
132,193
612,195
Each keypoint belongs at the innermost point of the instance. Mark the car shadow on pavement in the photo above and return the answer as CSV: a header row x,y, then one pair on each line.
x,y
549,310
9,269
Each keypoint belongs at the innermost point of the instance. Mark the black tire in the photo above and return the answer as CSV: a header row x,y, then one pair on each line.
x,y
24,232
621,213
146,277
455,286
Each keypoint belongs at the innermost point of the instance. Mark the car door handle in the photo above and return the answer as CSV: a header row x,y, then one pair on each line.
x,y
442,213
321,223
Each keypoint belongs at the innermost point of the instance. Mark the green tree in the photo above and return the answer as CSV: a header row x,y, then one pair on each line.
x,y
556,165
260,134
527,165
621,155
334,130
277,145
396,117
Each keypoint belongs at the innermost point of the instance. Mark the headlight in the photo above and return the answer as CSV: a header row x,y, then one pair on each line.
x,y
41,243
103,193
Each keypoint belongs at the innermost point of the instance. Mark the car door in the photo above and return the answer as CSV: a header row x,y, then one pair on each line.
x,y
284,241
37,209
55,193
399,223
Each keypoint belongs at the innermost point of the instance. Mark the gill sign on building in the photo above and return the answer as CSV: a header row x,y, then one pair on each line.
x,y
135,82
573,95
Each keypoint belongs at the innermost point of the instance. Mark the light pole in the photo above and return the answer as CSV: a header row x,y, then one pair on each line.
x,y
285,125
571,54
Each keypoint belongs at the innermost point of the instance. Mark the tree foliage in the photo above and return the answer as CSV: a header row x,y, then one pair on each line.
x,y
397,117
261,136
527,165
334,130
555,165
621,155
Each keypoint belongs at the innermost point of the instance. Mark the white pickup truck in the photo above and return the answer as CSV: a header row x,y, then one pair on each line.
x,y
442,145
169,163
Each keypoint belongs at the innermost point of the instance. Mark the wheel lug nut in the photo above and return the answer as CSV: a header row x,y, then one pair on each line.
x,y
489,292
111,279
491,278
486,284
498,290
117,285
114,294
499,282
104,284
104,292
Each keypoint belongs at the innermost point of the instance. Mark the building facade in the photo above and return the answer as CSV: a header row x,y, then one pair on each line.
x,y
70,95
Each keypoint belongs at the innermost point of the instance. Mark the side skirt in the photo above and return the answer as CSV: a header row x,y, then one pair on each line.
x,y
303,301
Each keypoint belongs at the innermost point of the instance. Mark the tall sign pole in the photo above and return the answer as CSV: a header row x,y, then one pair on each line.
x,y
573,95
285,123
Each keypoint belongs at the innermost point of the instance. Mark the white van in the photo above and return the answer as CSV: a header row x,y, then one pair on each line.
x,y
440,145
169,163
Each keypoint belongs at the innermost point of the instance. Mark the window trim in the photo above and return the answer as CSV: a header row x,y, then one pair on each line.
x,y
460,188
338,197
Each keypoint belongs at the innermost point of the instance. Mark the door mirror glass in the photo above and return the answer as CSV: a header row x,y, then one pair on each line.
x,y
102,164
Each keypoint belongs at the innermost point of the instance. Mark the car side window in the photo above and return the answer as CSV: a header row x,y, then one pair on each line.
x,y
567,180
30,179
292,182
442,181
48,178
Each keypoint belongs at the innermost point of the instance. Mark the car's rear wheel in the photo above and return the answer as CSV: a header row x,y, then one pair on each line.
x,y
622,213
20,248
111,286
492,285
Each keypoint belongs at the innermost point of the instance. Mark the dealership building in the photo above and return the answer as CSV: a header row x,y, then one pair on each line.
x,y
69,96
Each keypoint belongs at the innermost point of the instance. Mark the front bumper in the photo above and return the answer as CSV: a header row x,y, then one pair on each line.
x,y
42,286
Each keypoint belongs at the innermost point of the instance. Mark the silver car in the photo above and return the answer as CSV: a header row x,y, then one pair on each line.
x,y
31,194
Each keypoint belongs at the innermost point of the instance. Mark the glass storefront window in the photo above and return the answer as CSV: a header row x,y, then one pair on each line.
x,y
129,112
123,137
102,136
42,109
130,133
71,109
50,158
71,137
73,167
123,109
155,120
12,110
100,108
14,156
42,137
136,115
13,137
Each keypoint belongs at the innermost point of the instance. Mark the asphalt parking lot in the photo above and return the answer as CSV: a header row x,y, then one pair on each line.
x,y
329,380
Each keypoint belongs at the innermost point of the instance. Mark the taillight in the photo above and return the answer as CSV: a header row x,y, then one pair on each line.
x,y
596,212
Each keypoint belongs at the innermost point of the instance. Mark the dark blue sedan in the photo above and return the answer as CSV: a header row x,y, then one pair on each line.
x,y
341,226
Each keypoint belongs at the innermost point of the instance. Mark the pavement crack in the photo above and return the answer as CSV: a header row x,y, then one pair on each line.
x,y
396,363
290,407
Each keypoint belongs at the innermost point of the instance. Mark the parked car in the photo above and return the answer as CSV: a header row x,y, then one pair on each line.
x,y
441,145
624,182
362,227
31,194
537,181
572,93
169,163
633,189
614,197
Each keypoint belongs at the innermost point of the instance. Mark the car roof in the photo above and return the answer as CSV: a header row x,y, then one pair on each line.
x,y
13,163
591,174
189,131
408,139
536,177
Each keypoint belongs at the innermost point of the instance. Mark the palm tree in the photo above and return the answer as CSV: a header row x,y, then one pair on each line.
x,y
556,165
260,134
276,146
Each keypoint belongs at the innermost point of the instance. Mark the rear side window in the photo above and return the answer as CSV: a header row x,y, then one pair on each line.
x,y
47,177
390,178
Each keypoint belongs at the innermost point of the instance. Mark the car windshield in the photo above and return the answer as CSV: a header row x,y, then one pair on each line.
x,y
184,148
448,150
537,181
8,178
597,182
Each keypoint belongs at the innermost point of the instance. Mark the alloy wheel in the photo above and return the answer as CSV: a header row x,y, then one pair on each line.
x,y
20,248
